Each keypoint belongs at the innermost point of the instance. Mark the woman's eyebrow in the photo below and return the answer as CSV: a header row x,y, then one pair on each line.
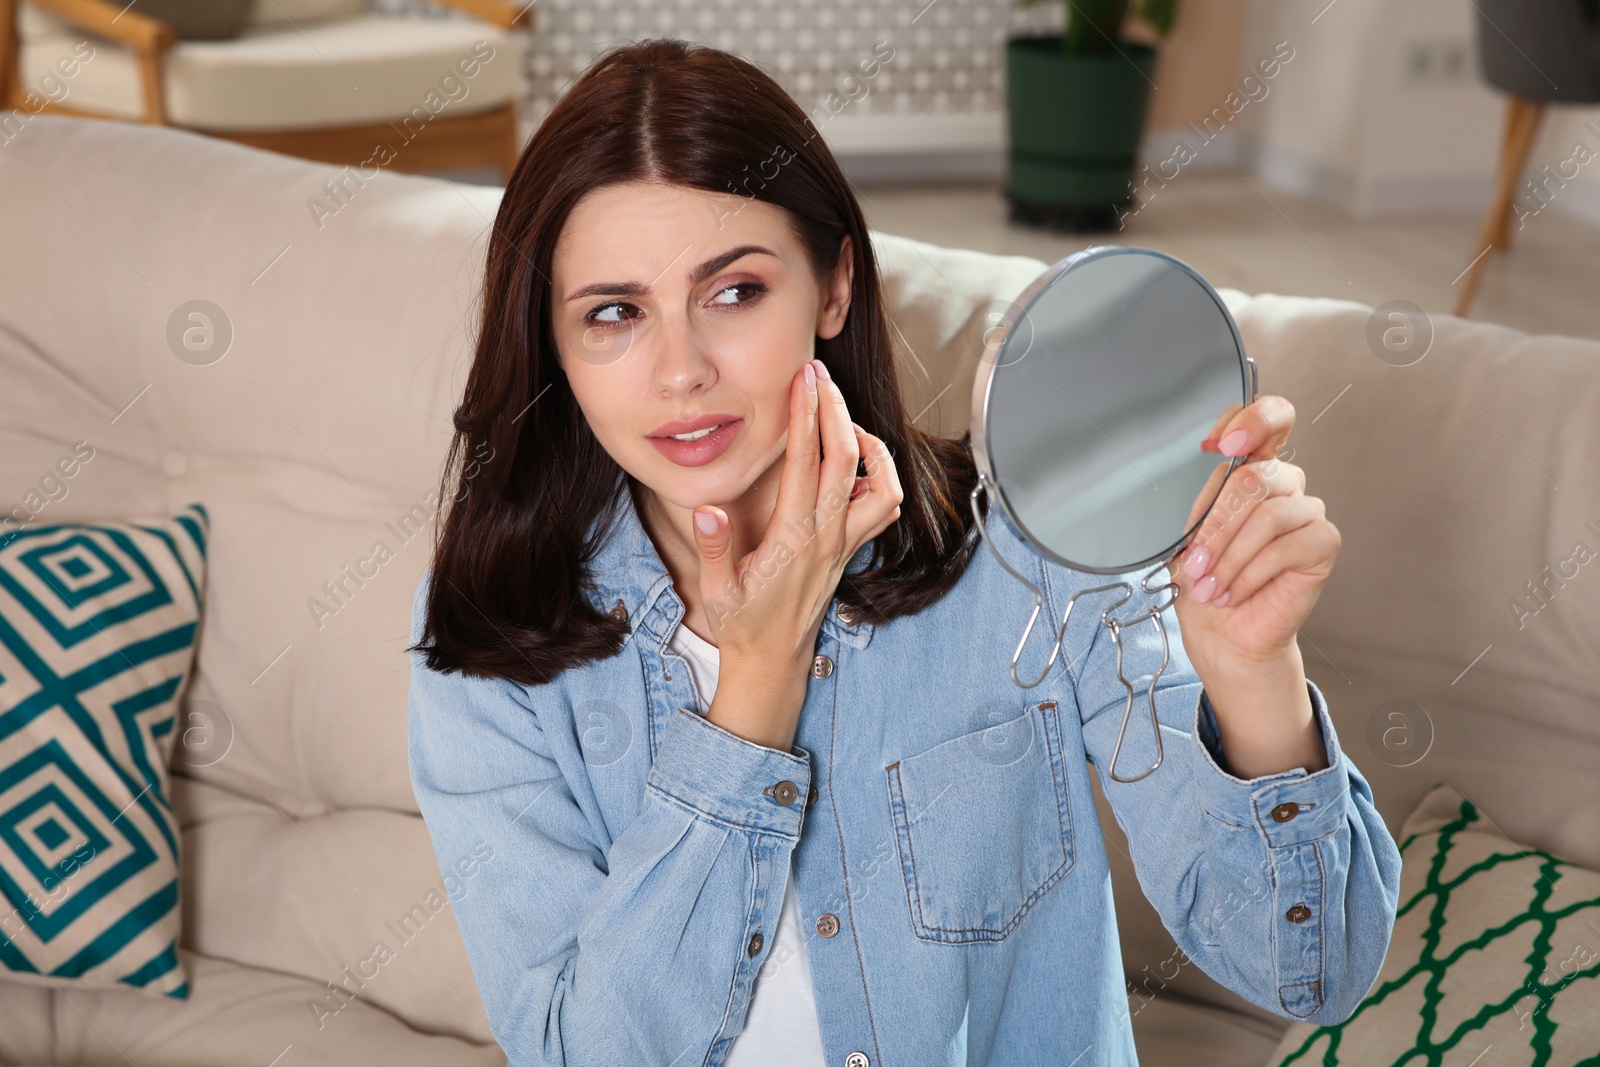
x,y
699,274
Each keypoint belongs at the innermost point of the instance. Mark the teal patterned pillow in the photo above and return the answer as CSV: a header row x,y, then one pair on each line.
x,y
97,633
1494,962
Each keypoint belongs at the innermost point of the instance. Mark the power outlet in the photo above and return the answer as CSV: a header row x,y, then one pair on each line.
x,y
1442,61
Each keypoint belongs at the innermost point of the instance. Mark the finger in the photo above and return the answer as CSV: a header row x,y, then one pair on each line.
x,y
841,454
713,537
878,504
1244,488
797,486
875,490
1248,485
1311,547
1265,424
1270,520
1209,442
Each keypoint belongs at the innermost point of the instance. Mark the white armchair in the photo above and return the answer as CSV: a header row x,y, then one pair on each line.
x,y
329,80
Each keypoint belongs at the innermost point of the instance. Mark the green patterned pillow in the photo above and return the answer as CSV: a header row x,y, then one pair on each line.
x,y
97,634
1495,958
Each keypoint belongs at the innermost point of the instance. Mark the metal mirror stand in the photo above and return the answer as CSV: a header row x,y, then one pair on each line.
x,y
1111,622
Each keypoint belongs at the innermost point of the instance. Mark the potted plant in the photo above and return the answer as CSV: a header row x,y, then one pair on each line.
x,y
1076,105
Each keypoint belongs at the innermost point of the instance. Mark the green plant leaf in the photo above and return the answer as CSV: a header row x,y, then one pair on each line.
x,y
1159,13
1094,25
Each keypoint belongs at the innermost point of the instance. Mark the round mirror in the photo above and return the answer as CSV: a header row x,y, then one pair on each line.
x,y
1093,395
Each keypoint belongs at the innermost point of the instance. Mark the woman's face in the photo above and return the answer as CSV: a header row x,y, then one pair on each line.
x,y
676,305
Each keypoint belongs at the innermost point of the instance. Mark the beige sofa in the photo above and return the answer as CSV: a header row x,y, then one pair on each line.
x,y
1454,481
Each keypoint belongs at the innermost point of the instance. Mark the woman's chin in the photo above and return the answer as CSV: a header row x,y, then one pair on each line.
x,y
690,488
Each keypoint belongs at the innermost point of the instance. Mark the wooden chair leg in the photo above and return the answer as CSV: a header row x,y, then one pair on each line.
x,y
152,79
1519,144
1513,123
1523,118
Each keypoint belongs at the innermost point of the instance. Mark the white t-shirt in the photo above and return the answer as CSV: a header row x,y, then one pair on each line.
x,y
781,1029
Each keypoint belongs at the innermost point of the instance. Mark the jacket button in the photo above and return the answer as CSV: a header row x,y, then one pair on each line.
x,y
857,1059
785,792
811,795
619,612
756,941
821,667
846,618
827,925
1286,811
1298,914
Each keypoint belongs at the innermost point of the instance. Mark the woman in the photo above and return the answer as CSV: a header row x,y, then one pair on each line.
x,y
733,722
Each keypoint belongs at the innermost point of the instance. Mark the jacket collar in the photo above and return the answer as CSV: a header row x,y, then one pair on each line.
x,y
628,571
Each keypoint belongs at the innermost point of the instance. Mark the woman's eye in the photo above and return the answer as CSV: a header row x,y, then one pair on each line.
x,y
601,316
755,289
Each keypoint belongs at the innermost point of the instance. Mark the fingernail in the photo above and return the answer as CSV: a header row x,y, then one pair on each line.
x,y
1222,601
1232,443
857,425
811,377
1195,565
707,521
822,370
1204,588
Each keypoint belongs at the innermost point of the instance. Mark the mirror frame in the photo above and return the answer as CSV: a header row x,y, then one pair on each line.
x,y
982,393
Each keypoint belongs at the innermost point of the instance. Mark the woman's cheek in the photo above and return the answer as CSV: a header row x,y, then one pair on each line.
x,y
602,346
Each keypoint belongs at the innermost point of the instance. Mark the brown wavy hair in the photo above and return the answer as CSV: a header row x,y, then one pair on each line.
x,y
524,482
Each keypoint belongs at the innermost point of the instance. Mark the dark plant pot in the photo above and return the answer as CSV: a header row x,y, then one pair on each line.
x,y
1075,124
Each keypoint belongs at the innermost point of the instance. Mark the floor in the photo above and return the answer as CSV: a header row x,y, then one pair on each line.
x,y
1242,234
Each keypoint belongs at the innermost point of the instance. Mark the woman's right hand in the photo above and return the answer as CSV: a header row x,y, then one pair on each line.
x,y
764,610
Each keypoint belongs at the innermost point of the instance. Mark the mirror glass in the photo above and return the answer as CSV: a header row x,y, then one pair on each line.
x,y
1095,391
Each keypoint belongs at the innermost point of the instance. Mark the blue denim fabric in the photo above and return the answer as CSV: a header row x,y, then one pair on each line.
x,y
637,848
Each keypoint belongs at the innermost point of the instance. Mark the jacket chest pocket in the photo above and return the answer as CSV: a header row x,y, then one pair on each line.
x,y
984,826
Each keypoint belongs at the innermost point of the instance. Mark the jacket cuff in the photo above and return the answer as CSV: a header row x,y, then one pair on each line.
x,y
729,779
1288,808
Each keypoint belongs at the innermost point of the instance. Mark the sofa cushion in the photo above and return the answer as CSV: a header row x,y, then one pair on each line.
x,y
235,1015
355,900
344,71
286,13
200,20
97,637
1171,1028
1495,944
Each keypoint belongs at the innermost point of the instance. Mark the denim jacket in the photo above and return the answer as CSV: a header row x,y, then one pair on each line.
x,y
951,875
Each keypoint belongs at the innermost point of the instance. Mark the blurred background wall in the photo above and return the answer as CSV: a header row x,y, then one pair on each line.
x,y
1380,111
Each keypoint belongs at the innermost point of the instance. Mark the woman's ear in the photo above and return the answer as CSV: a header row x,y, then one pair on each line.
x,y
836,302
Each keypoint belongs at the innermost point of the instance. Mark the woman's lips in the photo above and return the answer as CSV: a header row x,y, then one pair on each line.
x,y
699,453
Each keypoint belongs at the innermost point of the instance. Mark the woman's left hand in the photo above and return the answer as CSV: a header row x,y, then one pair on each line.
x,y
1254,570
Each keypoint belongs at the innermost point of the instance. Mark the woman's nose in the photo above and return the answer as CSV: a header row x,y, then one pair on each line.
x,y
679,366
